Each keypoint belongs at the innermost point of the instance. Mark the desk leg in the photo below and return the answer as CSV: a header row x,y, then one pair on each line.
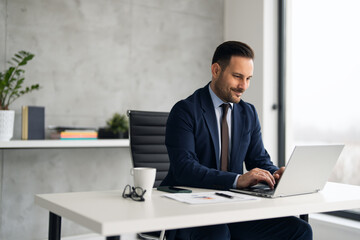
x,y
305,217
54,227
113,238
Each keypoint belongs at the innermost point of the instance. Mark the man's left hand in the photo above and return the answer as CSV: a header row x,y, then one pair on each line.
x,y
277,175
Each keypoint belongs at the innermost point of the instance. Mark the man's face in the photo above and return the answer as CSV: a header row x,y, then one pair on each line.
x,y
231,83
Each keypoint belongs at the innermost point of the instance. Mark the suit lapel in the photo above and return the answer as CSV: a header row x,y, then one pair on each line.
x,y
210,119
237,132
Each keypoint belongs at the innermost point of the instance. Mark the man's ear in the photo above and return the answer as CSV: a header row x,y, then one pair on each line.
x,y
215,70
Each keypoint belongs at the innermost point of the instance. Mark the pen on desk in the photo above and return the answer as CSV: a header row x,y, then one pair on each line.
x,y
223,195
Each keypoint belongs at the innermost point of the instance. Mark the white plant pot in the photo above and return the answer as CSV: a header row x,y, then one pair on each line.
x,y
7,118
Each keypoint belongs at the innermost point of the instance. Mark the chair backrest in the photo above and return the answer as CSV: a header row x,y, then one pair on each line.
x,y
147,141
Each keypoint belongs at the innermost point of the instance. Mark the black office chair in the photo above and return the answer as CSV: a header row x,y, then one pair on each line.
x,y
147,144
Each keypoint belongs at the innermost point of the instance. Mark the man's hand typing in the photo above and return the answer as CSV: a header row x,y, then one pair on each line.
x,y
255,176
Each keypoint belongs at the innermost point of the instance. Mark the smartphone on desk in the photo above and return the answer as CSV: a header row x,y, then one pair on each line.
x,y
172,189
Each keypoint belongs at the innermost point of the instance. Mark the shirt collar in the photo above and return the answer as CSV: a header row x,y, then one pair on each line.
x,y
216,100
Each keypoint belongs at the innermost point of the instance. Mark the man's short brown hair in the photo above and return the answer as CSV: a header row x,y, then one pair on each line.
x,y
226,50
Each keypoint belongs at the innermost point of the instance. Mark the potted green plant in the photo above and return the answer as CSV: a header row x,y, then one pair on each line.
x,y
11,81
116,127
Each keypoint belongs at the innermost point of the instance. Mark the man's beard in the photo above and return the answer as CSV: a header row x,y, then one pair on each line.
x,y
227,94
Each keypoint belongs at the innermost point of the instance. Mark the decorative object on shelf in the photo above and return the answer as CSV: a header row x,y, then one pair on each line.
x,y
117,127
11,81
33,123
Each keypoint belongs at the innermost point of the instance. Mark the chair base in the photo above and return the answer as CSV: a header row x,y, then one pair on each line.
x,y
159,235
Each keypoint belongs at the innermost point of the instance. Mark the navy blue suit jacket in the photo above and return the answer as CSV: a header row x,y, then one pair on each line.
x,y
192,142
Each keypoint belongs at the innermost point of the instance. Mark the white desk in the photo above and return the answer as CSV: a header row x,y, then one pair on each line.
x,y
108,214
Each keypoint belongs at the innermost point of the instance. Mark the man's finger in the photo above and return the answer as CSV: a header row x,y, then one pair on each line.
x,y
268,174
265,176
278,173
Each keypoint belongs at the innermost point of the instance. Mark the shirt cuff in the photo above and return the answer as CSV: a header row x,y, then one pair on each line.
x,y
235,182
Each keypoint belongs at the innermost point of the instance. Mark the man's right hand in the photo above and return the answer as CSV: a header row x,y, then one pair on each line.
x,y
255,176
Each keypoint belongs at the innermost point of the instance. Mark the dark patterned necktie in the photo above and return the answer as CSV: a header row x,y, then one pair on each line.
x,y
224,138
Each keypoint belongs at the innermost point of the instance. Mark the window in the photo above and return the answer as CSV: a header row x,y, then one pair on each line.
x,y
324,81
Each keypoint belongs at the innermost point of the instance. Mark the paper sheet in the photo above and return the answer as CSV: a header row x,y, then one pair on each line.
x,y
209,197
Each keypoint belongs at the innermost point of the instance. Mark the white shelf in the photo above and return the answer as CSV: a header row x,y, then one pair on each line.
x,y
100,143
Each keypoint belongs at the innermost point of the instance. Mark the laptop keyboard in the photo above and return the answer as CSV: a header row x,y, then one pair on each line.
x,y
262,188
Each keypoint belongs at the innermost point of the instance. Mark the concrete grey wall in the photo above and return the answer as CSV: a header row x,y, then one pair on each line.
x,y
94,58
2,33
34,171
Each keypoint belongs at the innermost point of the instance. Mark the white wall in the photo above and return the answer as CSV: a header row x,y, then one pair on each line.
x,y
255,23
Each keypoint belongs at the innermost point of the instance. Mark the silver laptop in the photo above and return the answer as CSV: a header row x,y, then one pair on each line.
x,y
307,171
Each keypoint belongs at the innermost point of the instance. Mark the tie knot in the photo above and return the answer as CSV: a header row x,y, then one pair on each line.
x,y
225,107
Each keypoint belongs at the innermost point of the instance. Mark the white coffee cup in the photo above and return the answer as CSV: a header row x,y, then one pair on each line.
x,y
144,178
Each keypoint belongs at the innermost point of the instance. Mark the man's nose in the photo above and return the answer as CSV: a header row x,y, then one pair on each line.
x,y
241,83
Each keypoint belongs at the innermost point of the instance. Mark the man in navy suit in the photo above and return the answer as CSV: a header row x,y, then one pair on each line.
x,y
195,134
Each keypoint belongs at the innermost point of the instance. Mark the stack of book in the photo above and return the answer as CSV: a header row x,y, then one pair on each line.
x,y
78,135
